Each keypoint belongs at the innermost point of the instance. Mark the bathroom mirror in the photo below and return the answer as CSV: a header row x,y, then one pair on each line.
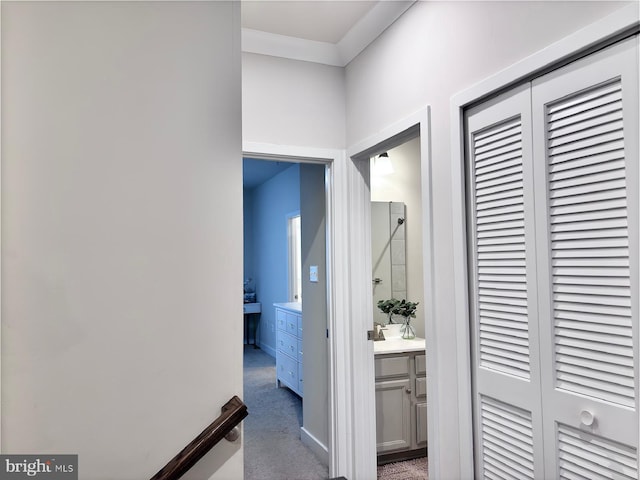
x,y
388,247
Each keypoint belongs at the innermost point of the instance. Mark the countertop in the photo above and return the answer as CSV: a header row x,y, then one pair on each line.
x,y
292,306
399,345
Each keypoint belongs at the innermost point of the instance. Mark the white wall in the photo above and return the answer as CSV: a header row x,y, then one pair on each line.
x,y
403,185
121,264
433,51
289,102
314,308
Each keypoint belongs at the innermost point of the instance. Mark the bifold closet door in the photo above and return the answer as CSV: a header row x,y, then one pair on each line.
x,y
503,301
585,134
553,251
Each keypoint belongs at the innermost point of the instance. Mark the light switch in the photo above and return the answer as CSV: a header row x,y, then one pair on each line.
x,y
313,273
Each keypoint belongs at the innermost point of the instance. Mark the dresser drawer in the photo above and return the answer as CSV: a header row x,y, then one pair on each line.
x,y
288,344
300,382
292,324
281,320
287,371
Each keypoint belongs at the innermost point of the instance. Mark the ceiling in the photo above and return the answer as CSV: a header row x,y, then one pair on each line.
x,y
255,172
331,32
321,21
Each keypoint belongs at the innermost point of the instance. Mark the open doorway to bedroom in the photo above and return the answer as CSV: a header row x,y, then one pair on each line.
x,y
285,260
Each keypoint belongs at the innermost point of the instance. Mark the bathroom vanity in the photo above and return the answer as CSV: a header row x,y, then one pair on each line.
x,y
289,346
401,399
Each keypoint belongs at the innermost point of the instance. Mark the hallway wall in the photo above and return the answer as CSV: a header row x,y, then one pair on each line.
x,y
430,53
118,150
289,102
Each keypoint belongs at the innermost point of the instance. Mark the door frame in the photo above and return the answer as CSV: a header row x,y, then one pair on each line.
x,y
360,263
620,24
340,371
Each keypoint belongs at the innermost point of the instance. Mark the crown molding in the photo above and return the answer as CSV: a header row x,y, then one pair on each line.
x,y
264,43
365,31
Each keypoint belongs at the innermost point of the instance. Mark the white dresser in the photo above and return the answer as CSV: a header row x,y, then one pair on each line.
x,y
289,346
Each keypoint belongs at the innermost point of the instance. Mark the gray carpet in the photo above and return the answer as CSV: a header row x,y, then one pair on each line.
x,y
272,446
407,470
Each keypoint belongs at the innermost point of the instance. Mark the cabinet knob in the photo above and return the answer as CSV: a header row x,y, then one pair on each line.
x,y
408,390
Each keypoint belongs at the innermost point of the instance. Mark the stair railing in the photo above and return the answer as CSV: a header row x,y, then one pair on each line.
x,y
225,426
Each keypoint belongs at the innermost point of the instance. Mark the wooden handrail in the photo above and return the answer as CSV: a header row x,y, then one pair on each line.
x,y
232,414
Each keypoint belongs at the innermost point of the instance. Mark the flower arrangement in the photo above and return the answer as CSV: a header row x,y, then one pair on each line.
x,y
388,307
405,309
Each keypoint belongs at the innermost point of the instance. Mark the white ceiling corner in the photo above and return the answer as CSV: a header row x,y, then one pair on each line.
x,y
362,33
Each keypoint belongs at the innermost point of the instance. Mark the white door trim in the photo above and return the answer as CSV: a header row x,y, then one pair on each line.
x,y
340,369
364,429
613,27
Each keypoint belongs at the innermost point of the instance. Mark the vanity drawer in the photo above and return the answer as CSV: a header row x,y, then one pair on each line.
x,y
300,326
300,350
287,371
288,344
421,364
421,387
391,366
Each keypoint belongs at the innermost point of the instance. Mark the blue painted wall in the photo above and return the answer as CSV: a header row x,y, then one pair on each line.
x,y
266,208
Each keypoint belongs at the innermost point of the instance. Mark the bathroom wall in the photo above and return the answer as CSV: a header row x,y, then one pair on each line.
x,y
403,185
269,204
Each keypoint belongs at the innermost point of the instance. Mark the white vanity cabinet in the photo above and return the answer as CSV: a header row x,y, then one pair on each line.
x,y
401,405
289,346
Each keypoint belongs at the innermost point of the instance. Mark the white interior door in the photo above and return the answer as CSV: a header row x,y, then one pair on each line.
x,y
585,124
553,183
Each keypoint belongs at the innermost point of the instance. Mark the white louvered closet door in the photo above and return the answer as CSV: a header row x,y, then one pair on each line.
x,y
507,403
585,124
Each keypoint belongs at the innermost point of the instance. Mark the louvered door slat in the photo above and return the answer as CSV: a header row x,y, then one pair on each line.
x,y
502,314
504,426
585,454
604,149
603,156
571,354
590,129
595,184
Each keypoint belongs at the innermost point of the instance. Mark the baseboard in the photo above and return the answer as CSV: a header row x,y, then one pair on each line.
x,y
320,450
268,350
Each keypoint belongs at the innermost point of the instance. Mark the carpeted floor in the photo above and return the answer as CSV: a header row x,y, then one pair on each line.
x,y
272,446
407,470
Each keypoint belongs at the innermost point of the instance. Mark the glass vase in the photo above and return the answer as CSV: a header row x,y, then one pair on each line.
x,y
408,333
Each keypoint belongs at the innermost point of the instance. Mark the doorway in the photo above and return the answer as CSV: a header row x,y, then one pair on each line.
x,y
415,127
285,235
